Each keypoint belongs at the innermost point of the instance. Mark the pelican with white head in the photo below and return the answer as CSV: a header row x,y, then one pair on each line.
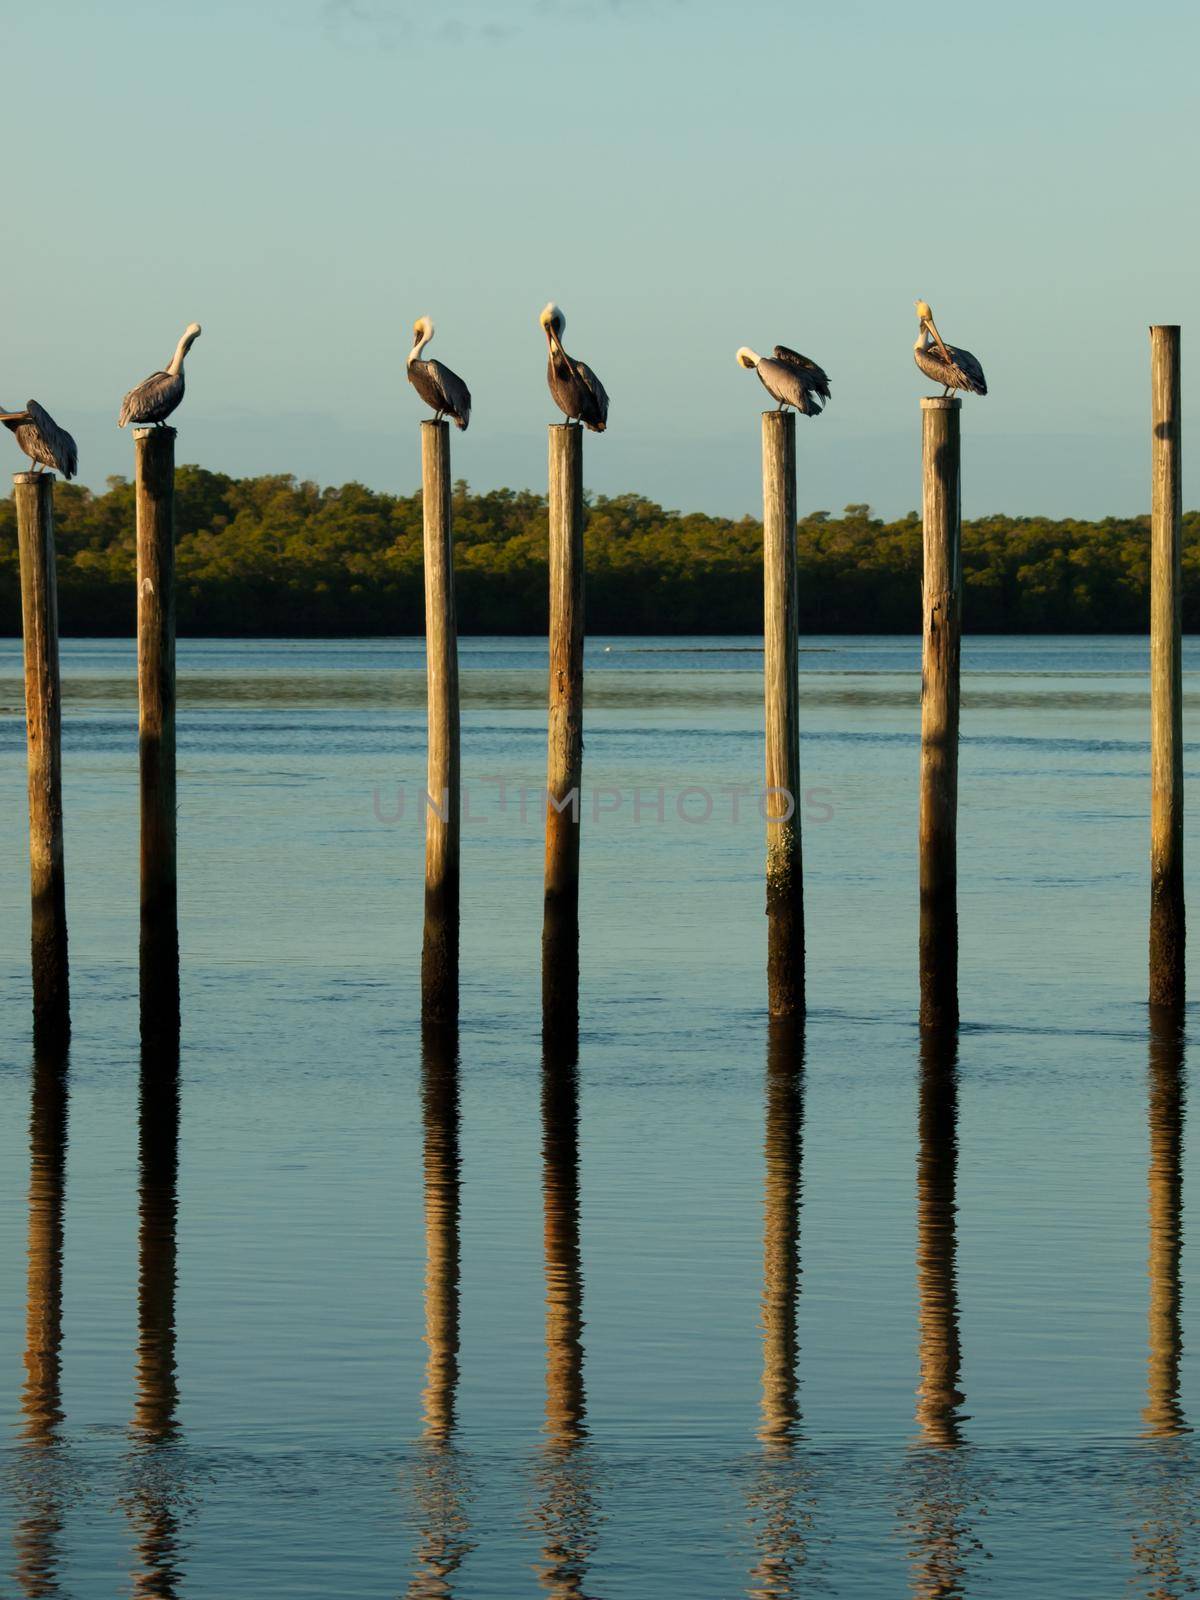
x,y
157,396
945,363
577,391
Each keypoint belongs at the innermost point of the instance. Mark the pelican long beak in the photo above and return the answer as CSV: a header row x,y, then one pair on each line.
x,y
928,322
14,416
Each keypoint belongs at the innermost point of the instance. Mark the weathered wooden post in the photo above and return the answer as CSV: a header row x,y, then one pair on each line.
x,y
439,955
1167,916
941,646
781,804
564,757
154,458
34,496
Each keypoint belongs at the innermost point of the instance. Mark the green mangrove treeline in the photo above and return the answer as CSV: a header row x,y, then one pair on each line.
x,y
275,556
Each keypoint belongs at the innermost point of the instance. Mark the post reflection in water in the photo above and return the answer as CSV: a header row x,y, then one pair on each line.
x,y
940,1502
441,1488
1163,1414
40,1489
568,1513
779,1499
1165,1522
939,1397
156,1495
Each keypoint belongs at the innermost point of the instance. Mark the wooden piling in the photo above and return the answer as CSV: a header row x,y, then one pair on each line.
x,y
439,956
1167,915
33,493
785,869
941,647
154,462
564,755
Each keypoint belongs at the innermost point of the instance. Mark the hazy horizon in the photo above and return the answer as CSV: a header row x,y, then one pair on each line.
x,y
305,179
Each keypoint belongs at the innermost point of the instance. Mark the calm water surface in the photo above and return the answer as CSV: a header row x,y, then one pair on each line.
x,y
716,1310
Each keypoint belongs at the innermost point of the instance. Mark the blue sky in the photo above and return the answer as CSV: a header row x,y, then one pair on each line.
x,y
305,178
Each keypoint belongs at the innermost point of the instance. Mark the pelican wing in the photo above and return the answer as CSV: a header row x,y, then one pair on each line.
x,y
599,395
456,397
969,366
792,385
814,375
57,442
153,400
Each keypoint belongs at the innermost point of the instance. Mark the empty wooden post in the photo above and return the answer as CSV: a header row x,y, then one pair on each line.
x,y
154,459
1167,918
781,803
564,758
34,496
439,956
942,636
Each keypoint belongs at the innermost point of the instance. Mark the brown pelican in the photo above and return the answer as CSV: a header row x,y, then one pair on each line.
x,y
790,378
956,369
437,385
578,392
157,396
41,438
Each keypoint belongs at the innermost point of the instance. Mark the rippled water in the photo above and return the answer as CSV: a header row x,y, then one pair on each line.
x,y
688,1305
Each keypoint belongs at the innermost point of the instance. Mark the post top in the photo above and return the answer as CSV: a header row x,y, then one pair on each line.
x,y
33,477
565,426
149,432
435,422
940,402
1164,327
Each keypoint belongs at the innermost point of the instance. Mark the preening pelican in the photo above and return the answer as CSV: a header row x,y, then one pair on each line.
x,y
154,399
41,438
945,363
578,392
437,385
790,378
